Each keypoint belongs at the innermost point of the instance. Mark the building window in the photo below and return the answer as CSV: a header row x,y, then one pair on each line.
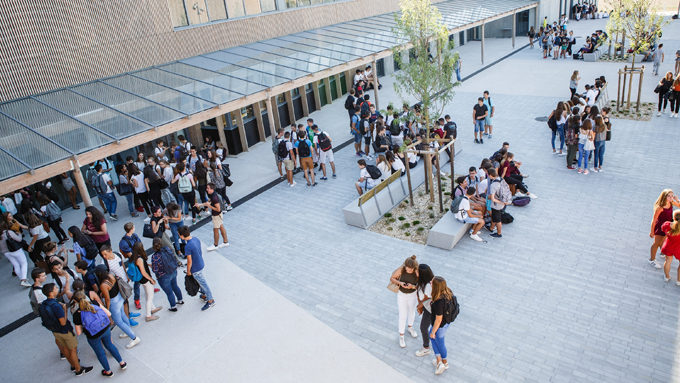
x,y
235,8
216,10
268,5
178,13
304,3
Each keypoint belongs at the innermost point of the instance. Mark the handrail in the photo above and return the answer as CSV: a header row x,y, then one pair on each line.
x,y
378,188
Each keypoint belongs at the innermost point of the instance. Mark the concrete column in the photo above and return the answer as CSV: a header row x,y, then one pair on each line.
x,y
305,105
274,112
317,98
338,86
241,129
80,182
375,85
349,79
273,126
514,28
482,44
260,125
536,19
327,82
196,135
219,120
291,109
389,65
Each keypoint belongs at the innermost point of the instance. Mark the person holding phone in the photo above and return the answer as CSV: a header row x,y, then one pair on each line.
x,y
406,277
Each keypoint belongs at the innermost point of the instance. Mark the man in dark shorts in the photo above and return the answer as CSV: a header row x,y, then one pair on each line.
x,y
479,114
495,203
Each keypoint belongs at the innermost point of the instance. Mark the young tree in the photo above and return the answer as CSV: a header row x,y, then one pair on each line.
x,y
428,74
642,25
615,27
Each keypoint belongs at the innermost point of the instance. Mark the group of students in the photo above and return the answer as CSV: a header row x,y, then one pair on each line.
x,y
480,198
668,89
583,128
419,290
95,289
584,10
554,40
665,232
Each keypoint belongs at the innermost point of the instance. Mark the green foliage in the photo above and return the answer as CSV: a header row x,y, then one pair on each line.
x,y
402,218
420,229
406,225
390,228
416,222
431,215
388,215
407,234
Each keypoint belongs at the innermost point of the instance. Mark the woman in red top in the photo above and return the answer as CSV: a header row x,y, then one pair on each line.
x,y
671,245
94,225
663,212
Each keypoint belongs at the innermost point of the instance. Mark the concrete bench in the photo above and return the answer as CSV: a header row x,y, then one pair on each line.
x,y
446,233
591,57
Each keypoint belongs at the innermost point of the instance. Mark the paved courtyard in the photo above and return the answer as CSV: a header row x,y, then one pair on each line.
x,y
565,296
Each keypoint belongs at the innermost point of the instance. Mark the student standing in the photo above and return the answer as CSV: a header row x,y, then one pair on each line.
x,y
104,186
675,97
304,149
495,204
166,273
39,237
600,137
442,301
10,246
215,207
488,121
186,185
531,34
663,88
585,145
137,180
479,114
140,259
123,179
671,245
658,59
196,266
571,138
406,277
70,188
663,212
573,83
112,296
275,148
424,294
323,144
53,316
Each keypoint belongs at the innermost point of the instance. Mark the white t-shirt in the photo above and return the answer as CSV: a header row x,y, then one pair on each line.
x,y
591,94
39,296
421,294
39,231
289,147
160,153
106,179
412,157
9,205
368,181
385,170
462,209
140,165
397,165
357,77
167,174
141,186
482,186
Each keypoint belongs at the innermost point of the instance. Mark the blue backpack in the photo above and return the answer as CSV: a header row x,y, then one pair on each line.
x,y
48,319
133,272
168,260
94,322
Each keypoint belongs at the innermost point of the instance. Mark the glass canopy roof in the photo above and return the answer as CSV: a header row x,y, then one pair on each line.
x,y
38,130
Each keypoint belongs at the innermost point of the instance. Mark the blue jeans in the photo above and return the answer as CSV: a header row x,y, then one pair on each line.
x,y
168,283
583,157
438,343
205,289
135,288
104,341
110,202
174,227
119,318
560,131
599,153
130,198
457,73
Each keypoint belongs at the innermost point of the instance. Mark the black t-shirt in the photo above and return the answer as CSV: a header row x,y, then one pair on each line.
x,y
480,110
160,224
214,201
438,307
78,321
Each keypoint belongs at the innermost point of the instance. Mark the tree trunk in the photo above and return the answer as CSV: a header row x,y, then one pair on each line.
x,y
623,44
630,82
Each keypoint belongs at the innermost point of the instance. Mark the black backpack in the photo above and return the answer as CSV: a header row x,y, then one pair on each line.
x,y
451,310
303,149
363,125
282,149
365,109
395,129
451,130
324,142
349,103
373,171
47,318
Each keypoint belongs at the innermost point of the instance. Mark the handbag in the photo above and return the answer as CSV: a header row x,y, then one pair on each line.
x,y
590,145
657,89
191,285
393,287
124,189
162,183
124,288
228,182
608,137
147,232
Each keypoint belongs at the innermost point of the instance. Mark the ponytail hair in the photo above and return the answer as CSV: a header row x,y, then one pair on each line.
x,y
83,303
675,226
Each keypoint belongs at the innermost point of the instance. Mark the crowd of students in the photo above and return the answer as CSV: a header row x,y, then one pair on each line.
x,y
419,290
557,43
95,286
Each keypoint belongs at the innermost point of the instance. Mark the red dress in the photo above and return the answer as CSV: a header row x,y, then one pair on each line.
x,y
666,215
671,245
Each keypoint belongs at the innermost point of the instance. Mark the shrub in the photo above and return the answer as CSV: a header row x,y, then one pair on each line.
x,y
390,228
416,222
407,234
420,229
431,215
406,225
402,218
447,193
430,207
388,215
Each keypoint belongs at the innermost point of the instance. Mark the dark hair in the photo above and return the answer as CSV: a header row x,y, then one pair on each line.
x,y
48,288
472,169
128,226
460,180
35,273
362,162
184,231
480,99
133,169
97,216
157,244
104,248
425,276
492,172
102,274
447,117
210,185
83,240
470,191
98,167
138,251
180,167
200,171
172,208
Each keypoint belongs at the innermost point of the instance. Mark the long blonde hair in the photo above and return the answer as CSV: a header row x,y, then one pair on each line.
x,y
411,263
83,302
663,199
675,226
440,290
574,76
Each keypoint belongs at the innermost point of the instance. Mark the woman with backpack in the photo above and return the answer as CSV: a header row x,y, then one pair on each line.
x,y
424,294
95,323
10,246
111,294
406,279
164,267
94,225
83,246
139,183
140,259
442,302
216,176
186,184
52,214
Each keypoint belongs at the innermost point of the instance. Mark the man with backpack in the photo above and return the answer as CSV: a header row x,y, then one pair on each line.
x,y
304,148
323,145
287,155
354,126
35,294
53,317
369,176
275,148
350,101
498,197
104,187
125,247
183,148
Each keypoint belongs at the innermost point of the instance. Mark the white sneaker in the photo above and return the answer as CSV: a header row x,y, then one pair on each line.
x,y
133,343
423,352
476,237
402,342
229,208
677,283
147,220
434,363
212,247
122,335
25,284
441,367
223,244
666,279
655,264
412,332
658,114
293,184
519,194
533,196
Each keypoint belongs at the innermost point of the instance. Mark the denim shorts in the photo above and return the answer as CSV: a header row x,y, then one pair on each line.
x,y
357,137
479,126
471,220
